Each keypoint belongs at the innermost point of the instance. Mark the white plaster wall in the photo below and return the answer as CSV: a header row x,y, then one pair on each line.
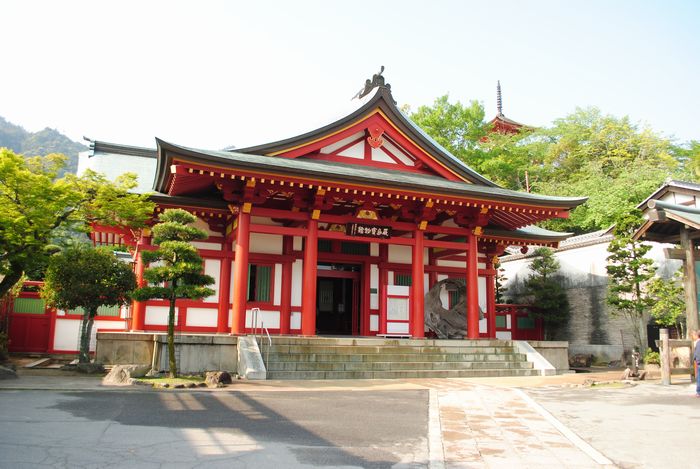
x,y
263,221
374,283
113,166
266,318
204,226
205,245
341,143
444,263
202,317
277,294
398,153
356,151
296,282
67,333
295,320
379,155
401,254
213,267
265,243
373,249
297,243
373,322
158,315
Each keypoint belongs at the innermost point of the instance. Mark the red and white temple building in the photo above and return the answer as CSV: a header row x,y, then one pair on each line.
x,y
339,231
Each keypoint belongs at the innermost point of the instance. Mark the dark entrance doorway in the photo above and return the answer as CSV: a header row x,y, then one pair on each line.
x,y
337,299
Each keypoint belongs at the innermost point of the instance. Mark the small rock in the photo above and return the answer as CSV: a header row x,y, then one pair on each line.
x,y
179,386
7,373
588,382
581,361
165,385
154,374
191,385
214,378
122,374
202,385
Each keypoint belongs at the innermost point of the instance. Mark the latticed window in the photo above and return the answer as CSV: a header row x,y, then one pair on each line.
x,y
360,249
260,283
403,280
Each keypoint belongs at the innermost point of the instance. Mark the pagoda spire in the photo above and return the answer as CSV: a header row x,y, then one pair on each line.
x,y
499,98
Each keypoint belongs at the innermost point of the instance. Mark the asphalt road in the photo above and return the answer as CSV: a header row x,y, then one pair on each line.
x,y
192,429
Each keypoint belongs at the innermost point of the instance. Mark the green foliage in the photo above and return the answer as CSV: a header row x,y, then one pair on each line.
x,y
612,161
668,301
651,357
85,277
38,206
179,274
44,142
545,289
629,270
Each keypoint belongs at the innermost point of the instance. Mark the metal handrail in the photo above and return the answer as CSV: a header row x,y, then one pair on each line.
x,y
269,344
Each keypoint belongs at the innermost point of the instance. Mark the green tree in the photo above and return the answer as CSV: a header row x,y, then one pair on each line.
x,y
37,206
87,278
668,301
629,271
180,275
547,294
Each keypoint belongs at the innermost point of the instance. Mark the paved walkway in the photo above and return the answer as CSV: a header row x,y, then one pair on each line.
x,y
474,423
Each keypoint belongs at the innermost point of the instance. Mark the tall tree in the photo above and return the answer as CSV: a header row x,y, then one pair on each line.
x,y
629,271
668,301
37,206
84,277
547,293
180,273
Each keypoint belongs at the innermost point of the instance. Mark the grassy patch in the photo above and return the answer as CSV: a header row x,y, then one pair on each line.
x,y
156,381
610,385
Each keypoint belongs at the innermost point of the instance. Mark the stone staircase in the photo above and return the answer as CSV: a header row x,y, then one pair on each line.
x,y
377,358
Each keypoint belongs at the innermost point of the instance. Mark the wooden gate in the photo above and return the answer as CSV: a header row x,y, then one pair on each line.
x,y
29,321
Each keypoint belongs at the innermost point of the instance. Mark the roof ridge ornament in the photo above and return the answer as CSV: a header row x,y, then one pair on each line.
x,y
377,81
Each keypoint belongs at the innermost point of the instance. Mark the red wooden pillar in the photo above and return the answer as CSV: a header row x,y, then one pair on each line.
x,y
138,308
224,288
490,301
308,295
417,287
383,283
286,298
240,274
472,286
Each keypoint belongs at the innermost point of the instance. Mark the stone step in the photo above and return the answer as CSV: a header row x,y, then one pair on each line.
x,y
377,341
477,373
395,366
365,349
402,357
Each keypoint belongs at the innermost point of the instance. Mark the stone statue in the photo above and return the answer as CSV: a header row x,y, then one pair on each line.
x,y
452,323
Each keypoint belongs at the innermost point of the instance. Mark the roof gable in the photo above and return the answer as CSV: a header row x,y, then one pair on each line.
x,y
375,135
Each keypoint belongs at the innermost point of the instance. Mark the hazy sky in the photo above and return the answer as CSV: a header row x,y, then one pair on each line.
x,y
214,73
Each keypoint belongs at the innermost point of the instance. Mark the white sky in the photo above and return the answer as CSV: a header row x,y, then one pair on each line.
x,y
213,73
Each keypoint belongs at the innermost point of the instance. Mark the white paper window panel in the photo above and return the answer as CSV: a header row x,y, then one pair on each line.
x,y
202,317
233,280
296,282
295,320
397,328
262,243
213,267
373,276
398,290
205,245
374,249
504,335
397,309
158,315
373,322
482,293
390,278
277,296
269,319
374,301
297,243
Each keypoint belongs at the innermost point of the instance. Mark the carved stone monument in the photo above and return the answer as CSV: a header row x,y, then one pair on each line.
x,y
448,323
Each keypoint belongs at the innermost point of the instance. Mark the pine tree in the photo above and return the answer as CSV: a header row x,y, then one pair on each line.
x,y
629,271
548,295
180,275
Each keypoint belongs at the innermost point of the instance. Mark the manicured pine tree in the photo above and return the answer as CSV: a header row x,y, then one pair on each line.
x,y
180,273
84,277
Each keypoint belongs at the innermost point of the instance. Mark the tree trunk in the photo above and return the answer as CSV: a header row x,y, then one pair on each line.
x,y
85,332
9,281
171,338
